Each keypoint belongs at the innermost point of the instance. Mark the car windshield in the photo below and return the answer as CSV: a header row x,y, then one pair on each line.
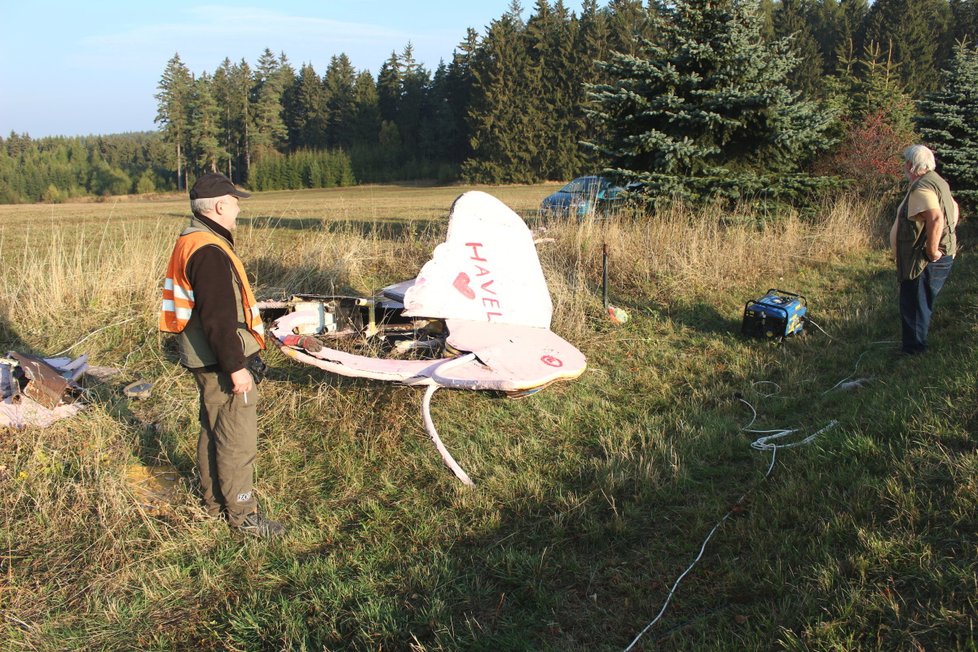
x,y
582,185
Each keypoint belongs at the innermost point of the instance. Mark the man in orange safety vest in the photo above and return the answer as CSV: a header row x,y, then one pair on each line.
x,y
208,303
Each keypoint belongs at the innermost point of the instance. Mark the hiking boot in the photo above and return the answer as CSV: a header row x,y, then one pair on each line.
x,y
257,525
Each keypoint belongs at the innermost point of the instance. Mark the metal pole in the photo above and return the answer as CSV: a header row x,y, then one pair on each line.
x,y
604,281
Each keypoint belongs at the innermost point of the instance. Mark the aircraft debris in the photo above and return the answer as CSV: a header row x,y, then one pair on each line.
x,y
476,317
38,391
138,389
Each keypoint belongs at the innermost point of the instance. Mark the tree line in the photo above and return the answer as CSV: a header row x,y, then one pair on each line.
x,y
691,98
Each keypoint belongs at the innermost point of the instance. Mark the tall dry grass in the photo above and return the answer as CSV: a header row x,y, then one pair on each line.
x,y
687,251
82,567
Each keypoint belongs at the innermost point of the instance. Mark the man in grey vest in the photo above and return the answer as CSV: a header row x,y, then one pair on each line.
x,y
924,244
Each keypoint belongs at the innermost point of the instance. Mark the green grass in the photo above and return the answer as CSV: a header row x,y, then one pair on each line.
x,y
592,497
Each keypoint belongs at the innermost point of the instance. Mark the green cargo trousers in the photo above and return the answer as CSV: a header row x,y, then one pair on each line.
x,y
227,446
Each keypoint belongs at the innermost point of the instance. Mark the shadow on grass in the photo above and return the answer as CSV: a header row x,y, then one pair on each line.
x,y
10,340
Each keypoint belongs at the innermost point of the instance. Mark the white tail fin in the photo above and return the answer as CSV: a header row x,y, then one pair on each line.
x,y
487,269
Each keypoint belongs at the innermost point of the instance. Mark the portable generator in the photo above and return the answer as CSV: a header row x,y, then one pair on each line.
x,y
776,314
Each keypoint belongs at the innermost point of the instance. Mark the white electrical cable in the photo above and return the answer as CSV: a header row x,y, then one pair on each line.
x,y
760,444
822,330
97,330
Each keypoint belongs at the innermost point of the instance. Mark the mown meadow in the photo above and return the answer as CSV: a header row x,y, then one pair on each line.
x,y
591,497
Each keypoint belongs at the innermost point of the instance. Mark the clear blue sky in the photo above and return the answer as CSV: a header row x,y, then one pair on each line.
x,y
87,67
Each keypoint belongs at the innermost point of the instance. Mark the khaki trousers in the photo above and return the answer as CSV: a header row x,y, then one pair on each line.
x,y
227,446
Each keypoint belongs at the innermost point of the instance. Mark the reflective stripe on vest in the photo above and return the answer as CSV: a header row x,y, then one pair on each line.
x,y
178,294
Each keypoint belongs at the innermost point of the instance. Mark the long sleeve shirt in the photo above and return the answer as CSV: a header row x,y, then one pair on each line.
x,y
209,271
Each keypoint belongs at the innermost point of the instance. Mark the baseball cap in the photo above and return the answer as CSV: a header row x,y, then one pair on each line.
x,y
214,184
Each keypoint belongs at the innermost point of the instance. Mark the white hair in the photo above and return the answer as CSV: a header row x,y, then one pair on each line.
x,y
205,205
920,158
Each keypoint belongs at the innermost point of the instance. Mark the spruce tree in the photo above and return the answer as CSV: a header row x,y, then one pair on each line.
x,y
389,88
793,19
338,93
223,92
458,95
706,109
629,24
412,108
366,123
205,147
918,32
964,20
240,80
308,118
173,103
269,134
949,124
501,118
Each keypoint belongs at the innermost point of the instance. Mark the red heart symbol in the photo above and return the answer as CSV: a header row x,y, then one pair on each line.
x,y
462,285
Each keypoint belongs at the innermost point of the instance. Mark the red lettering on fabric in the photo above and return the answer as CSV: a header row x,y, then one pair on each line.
x,y
464,287
475,250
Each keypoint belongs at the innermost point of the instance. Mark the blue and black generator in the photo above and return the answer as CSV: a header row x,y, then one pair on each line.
x,y
777,314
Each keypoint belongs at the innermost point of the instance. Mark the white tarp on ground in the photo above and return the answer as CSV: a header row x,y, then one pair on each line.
x,y
487,269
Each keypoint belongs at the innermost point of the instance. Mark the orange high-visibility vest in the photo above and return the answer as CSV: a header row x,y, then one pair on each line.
x,y
178,295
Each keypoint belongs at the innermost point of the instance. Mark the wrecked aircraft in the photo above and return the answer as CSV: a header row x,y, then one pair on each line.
x,y
476,317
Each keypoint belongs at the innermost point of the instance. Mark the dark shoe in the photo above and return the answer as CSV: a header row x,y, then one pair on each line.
x,y
257,525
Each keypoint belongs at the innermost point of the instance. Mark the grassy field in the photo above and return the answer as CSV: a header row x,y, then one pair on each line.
x,y
591,497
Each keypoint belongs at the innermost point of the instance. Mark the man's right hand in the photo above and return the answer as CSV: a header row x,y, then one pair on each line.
x,y
242,381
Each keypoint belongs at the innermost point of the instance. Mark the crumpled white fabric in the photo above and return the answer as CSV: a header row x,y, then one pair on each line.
x,y
26,412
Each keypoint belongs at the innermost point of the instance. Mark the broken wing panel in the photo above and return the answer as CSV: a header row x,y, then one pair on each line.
x,y
487,269
509,357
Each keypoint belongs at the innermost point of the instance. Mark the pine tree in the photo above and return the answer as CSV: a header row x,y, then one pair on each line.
x,y
706,109
173,103
949,124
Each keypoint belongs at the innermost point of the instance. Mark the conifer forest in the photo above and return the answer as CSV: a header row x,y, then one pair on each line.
x,y
695,99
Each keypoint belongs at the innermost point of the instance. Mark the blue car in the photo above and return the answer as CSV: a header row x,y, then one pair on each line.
x,y
581,197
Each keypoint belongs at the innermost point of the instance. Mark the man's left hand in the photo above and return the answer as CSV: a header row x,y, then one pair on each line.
x,y
241,381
